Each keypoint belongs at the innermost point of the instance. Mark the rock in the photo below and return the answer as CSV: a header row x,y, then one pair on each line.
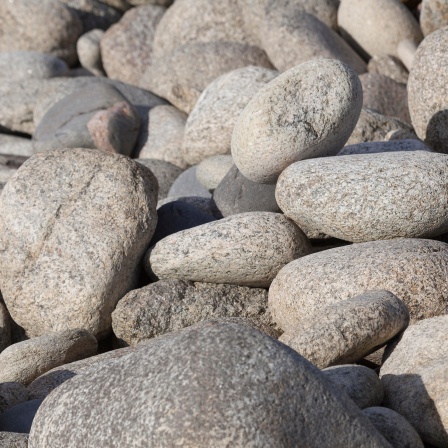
x,y
433,15
247,367
389,66
290,37
72,239
13,440
162,134
359,24
406,51
11,394
165,3
395,428
412,269
360,383
343,332
121,5
18,146
170,305
397,194
187,184
89,52
236,194
205,205
182,75
385,146
402,134
126,48
45,27
209,127
212,170
428,96
230,250
290,119
19,418
5,329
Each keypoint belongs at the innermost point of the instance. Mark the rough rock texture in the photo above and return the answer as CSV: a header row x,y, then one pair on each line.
x,y
389,66
11,394
89,52
230,250
360,383
308,111
5,328
414,270
385,146
43,26
13,440
428,91
169,305
359,22
434,15
212,170
175,76
19,418
126,47
367,197
343,332
209,127
74,225
187,184
236,369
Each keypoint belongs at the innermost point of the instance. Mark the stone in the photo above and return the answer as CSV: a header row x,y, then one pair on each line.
x,y
74,226
209,126
389,66
237,194
428,93
290,119
89,52
212,170
205,205
433,15
5,328
12,394
230,250
402,134
120,5
165,3
406,52
397,194
13,440
376,28
412,269
17,146
182,75
19,418
43,26
394,427
343,332
290,37
187,184
232,360
385,146
162,134
127,47
170,305
360,383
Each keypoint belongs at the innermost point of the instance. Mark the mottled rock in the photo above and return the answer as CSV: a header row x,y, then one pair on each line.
x,y
17,146
212,170
209,127
13,440
230,250
12,394
433,15
392,145
74,226
389,66
308,111
89,52
5,328
19,418
187,184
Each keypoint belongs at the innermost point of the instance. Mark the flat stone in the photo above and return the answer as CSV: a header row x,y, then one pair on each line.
x,y
412,269
397,194
13,440
392,145
209,127
230,250
5,328
344,332
89,52
212,170
433,15
74,226
19,418
389,66
11,394
308,111
16,146
187,184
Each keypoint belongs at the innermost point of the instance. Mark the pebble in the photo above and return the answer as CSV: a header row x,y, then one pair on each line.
x,y
89,52
212,170
16,146
12,394
406,52
13,440
187,184
19,418
205,205
5,328
389,66
433,15
392,145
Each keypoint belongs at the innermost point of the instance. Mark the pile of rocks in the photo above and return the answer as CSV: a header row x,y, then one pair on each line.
x,y
223,223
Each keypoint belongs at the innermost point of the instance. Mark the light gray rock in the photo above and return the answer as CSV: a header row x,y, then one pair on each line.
x,y
126,47
11,394
5,328
389,66
433,15
212,170
367,197
74,226
231,360
290,119
230,250
360,383
209,126
187,184
181,76
412,269
376,28
13,440
89,52
17,146
43,26
392,145
344,332
428,94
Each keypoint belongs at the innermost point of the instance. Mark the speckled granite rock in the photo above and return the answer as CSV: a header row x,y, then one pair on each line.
x,y
89,52
412,269
12,394
13,440
392,145
389,66
187,184
308,111
247,367
209,127
230,250
19,418
5,328
343,332
433,15
72,239
212,170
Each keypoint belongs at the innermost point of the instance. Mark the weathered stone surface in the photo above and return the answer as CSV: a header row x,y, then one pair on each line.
x,y
11,394
397,194
394,427
428,92
343,332
19,418
13,440
89,52
181,76
187,184
247,367
376,28
433,15
126,47
389,66
74,226
230,250
43,26
209,127
385,146
5,328
212,170
414,270
308,111
16,146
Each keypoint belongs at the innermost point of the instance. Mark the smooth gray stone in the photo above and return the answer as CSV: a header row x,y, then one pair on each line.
x,y
19,418
212,170
89,53
187,184
386,146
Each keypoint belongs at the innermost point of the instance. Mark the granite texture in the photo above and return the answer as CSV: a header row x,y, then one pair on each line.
x,y
433,15
389,66
13,440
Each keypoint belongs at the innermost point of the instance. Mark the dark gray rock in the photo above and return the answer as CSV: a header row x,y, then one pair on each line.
x,y
12,394
5,328
187,184
19,418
